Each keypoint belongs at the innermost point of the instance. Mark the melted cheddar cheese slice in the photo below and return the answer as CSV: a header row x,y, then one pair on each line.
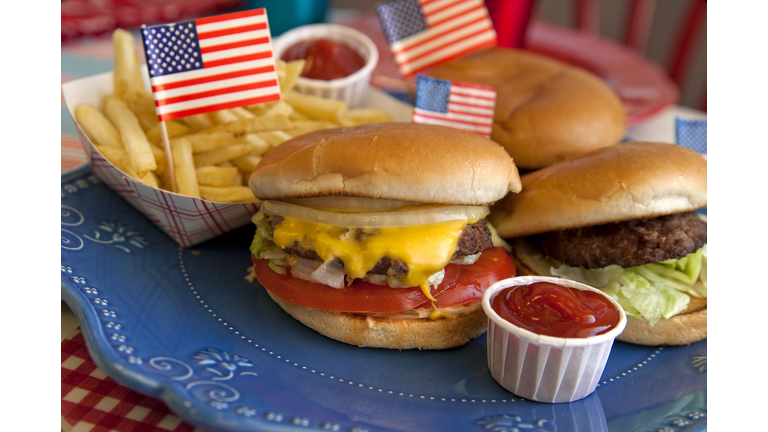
x,y
425,249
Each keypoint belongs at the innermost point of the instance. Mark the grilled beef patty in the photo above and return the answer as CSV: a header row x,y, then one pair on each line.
x,y
474,239
630,243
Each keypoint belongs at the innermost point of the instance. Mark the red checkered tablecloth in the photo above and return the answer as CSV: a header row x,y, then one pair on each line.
x,y
92,401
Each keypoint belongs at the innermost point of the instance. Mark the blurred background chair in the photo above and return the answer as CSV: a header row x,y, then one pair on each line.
x,y
669,33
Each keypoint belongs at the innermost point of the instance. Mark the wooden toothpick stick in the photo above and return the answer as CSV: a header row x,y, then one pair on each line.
x,y
168,156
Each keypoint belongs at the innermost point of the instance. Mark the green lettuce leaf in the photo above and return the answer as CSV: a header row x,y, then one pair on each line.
x,y
263,247
651,291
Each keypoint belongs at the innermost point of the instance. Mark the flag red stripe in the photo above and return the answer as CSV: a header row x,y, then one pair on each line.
x,y
456,15
442,8
217,92
230,16
229,31
232,45
218,107
238,59
440,48
452,120
212,78
473,48
437,34
471,114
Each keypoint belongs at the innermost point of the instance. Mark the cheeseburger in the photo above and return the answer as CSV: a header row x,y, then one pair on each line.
x,y
546,110
621,219
376,235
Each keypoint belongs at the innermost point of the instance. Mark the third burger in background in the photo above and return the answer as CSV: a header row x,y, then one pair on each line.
x,y
546,110
621,219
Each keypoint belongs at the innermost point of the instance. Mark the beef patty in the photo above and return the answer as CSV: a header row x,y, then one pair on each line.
x,y
630,243
474,239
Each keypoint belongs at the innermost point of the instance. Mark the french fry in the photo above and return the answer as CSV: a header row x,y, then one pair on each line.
x,y
242,113
159,155
247,162
151,179
143,105
97,126
135,142
197,122
301,127
119,158
173,127
223,116
184,167
222,154
260,109
274,138
358,116
127,75
299,116
227,194
288,72
317,108
280,108
235,132
217,176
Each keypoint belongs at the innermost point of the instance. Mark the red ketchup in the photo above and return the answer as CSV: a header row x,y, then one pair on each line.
x,y
326,60
553,310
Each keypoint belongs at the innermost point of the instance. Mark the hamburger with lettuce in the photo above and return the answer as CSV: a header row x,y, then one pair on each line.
x,y
376,235
621,219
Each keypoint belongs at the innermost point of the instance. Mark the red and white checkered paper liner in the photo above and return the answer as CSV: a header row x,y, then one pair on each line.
x,y
92,401
187,220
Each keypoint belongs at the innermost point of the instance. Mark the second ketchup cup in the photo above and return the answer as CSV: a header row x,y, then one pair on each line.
x,y
350,89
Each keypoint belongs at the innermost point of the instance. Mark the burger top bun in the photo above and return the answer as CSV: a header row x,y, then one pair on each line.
x,y
627,181
395,161
546,110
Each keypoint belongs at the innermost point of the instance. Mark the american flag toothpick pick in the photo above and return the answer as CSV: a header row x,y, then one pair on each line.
x,y
464,106
425,33
209,64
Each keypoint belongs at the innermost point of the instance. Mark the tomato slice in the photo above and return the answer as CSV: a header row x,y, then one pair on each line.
x,y
461,284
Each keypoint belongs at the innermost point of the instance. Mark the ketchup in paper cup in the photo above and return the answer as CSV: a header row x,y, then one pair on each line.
x,y
555,340
341,44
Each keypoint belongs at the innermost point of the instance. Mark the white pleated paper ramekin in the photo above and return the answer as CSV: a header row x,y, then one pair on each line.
x,y
349,89
545,368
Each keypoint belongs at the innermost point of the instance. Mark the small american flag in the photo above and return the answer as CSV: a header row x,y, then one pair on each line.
x,y
692,134
463,106
211,64
425,33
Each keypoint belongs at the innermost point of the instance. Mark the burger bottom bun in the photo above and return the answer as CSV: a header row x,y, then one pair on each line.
x,y
685,328
421,333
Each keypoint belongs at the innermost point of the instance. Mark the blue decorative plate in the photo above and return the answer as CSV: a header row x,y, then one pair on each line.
x,y
184,326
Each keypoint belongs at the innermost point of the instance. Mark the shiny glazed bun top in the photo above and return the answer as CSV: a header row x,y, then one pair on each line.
x,y
393,161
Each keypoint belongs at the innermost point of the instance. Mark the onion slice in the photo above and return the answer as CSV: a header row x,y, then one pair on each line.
x,y
408,216
346,203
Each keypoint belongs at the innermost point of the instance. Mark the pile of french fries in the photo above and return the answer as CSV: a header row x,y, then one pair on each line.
x,y
213,153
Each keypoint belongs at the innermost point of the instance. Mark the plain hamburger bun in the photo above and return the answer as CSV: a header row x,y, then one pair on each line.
x,y
685,328
627,181
546,111
412,333
394,161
